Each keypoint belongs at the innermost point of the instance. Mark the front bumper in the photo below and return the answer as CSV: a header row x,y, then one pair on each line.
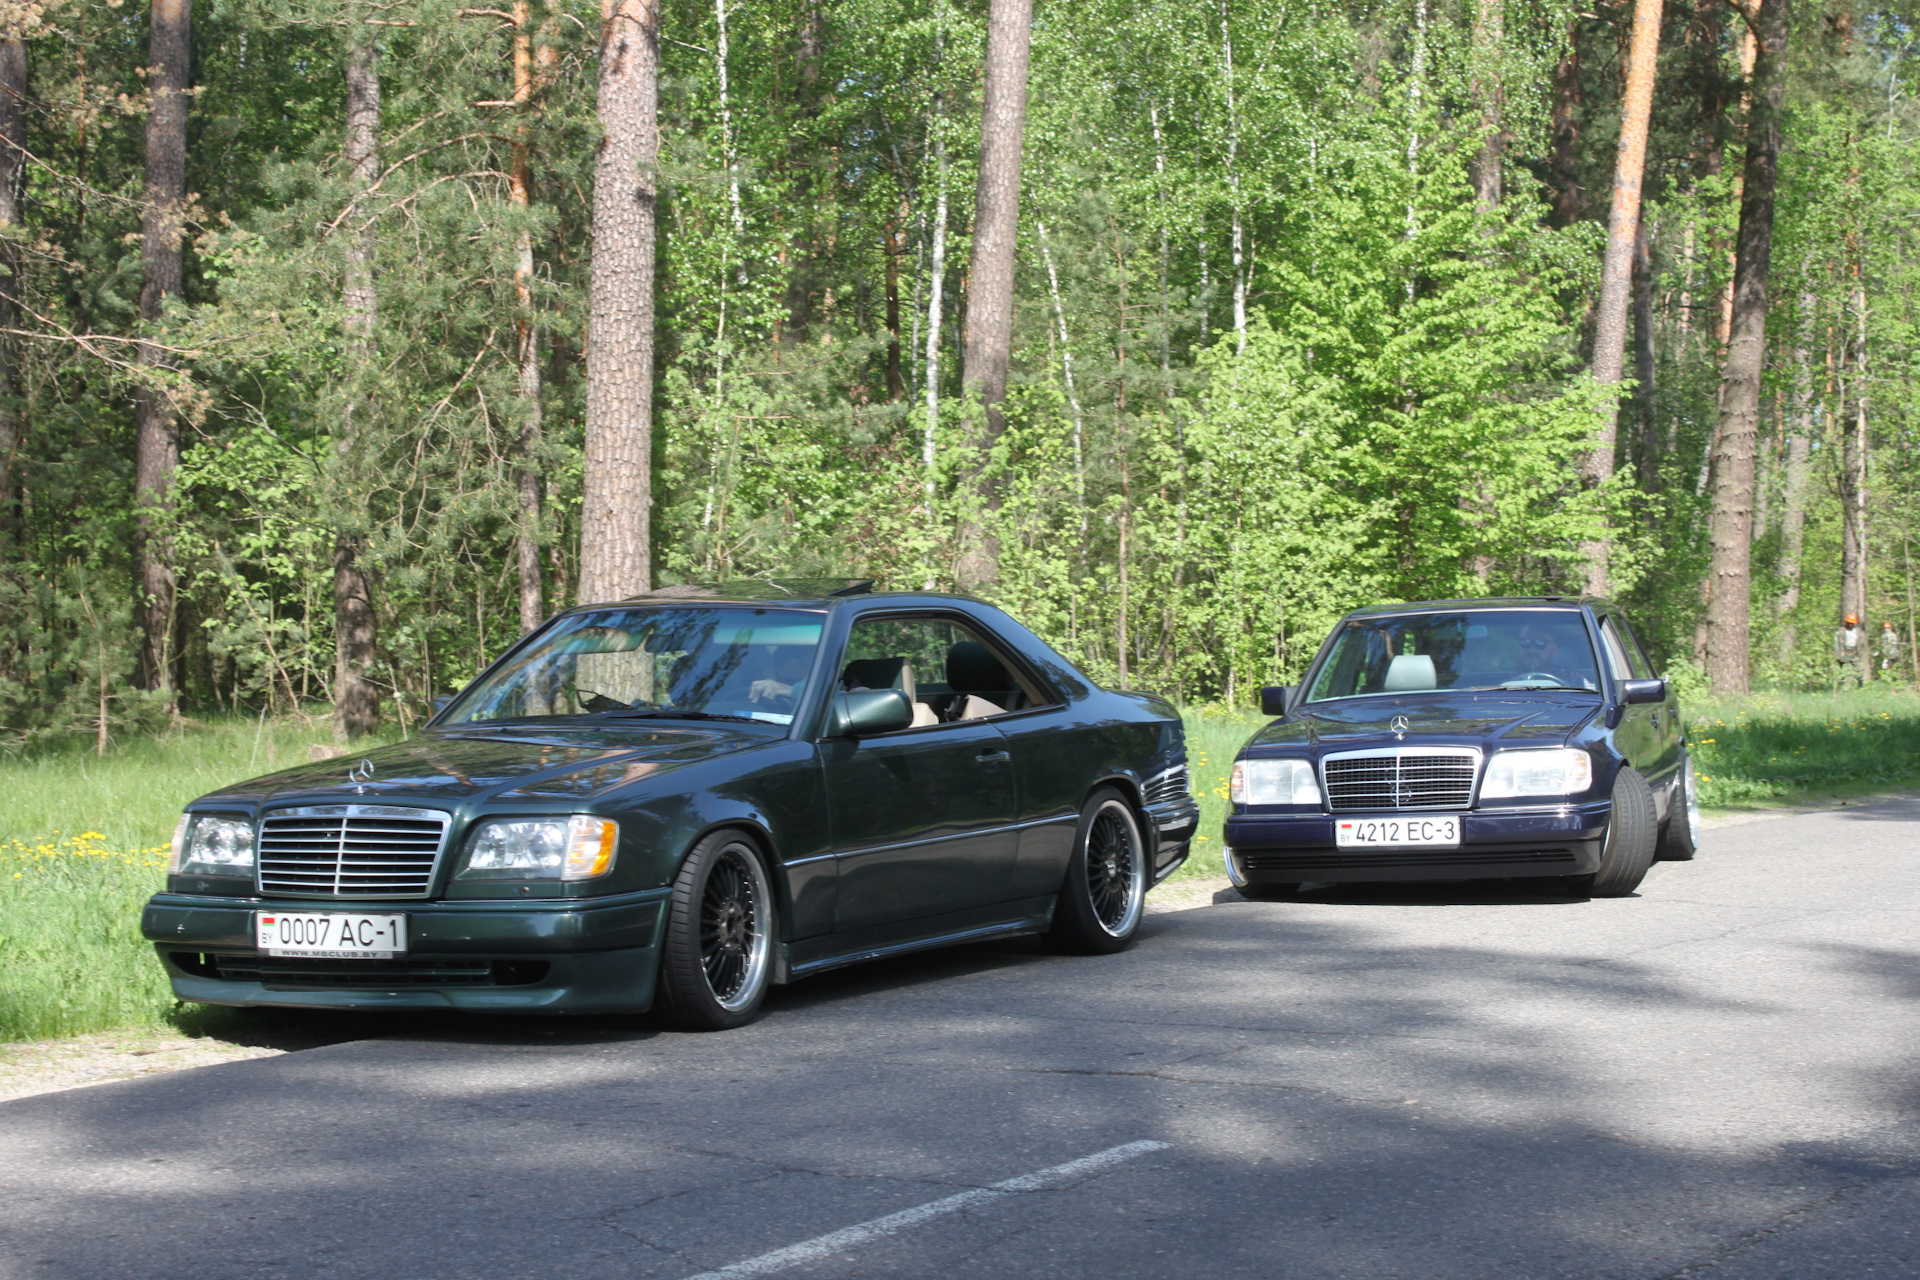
x,y
1174,822
1560,840
551,956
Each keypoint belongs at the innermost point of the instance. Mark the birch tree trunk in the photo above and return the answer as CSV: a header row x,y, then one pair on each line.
x,y
617,498
356,700
936,298
1730,530
996,224
1616,269
1793,498
1066,373
1853,470
13,140
1233,185
170,41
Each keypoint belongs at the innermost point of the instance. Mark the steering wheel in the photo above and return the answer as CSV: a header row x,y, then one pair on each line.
x,y
1531,677
776,703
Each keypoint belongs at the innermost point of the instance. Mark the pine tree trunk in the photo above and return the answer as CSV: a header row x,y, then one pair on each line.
x,y
526,329
1646,401
156,430
1566,200
617,506
1730,530
996,224
1489,95
356,700
1616,268
13,139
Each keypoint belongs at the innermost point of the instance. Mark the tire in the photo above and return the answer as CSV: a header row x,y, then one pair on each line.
x,y
1628,850
1105,892
1680,838
717,959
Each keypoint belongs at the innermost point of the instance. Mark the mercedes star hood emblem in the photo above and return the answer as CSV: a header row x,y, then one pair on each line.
x,y
360,774
1398,725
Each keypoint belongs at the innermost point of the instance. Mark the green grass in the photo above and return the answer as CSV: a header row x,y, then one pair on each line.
x,y
1782,748
83,841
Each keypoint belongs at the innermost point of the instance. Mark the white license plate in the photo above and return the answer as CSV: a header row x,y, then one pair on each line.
x,y
330,935
1396,831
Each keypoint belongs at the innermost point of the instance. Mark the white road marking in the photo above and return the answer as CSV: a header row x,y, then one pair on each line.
x,y
848,1237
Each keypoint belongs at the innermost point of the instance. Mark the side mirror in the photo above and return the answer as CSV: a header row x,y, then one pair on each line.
x,y
436,705
1634,692
1273,699
865,712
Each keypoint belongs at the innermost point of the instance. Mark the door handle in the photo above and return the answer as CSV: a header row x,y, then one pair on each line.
x,y
992,757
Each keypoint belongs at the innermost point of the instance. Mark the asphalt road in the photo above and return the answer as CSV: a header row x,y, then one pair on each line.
x,y
1715,1078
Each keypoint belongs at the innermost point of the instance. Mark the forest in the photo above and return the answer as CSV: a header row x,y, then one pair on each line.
x,y
308,313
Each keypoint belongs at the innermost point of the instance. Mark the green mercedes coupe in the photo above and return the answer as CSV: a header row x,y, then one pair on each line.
x,y
675,801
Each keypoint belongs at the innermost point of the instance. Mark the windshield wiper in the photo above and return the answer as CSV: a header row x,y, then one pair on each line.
x,y
668,713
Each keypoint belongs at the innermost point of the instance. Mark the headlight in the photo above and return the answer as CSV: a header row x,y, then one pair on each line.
x,y
576,848
212,845
1274,782
1561,771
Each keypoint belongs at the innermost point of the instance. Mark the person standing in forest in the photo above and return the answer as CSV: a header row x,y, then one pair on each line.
x,y
1850,653
1889,650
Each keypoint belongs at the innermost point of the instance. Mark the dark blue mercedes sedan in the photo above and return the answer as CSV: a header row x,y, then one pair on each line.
x,y
1467,739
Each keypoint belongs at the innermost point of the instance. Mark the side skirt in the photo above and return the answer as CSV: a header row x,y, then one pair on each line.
x,y
786,970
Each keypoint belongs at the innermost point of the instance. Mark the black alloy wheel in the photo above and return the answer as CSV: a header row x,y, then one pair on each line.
x,y
1105,891
717,960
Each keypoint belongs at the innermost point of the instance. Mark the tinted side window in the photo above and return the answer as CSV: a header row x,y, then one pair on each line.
x,y
1616,651
949,671
1636,654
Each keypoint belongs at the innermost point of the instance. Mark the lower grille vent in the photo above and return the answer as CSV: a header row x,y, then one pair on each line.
x,y
1167,786
286,973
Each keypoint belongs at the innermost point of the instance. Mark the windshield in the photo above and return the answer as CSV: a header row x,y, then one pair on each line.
x,y
660,661
1484,649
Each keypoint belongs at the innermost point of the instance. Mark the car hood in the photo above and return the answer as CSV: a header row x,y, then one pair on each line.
x,y
1476,719
504,762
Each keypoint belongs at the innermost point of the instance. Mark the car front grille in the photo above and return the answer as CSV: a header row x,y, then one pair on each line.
x,y
1400,779
350,851
1166,786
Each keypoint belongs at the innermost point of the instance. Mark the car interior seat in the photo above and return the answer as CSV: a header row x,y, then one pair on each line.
x,y
1408,672
982,685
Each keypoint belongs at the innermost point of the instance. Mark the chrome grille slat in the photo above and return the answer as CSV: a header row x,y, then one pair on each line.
x,y
1400,778
350,851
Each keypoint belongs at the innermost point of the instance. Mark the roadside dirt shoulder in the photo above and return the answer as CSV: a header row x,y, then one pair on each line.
x,y
46,1066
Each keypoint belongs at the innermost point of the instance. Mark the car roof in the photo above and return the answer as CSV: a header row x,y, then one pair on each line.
x,y
1481,602
792,593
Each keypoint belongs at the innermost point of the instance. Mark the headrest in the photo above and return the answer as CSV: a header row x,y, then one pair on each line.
x,y
972,668
875,673
1409,671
